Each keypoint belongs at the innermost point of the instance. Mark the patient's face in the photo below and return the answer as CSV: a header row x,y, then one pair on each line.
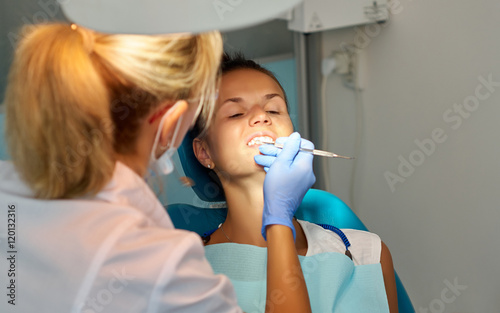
x,y
251,105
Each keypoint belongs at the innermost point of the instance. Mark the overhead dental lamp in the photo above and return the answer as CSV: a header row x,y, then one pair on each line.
x,y
172,16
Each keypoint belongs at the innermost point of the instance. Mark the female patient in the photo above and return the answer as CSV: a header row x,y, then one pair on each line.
x,y
252,108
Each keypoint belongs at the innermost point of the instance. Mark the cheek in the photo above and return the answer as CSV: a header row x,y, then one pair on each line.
x,y
286,126
219,148
227,149
223,133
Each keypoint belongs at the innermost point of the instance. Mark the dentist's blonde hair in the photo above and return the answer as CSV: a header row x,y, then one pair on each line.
x,y
76,97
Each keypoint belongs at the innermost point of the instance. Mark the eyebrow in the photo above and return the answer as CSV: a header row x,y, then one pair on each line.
x,y
235,99
272,95
239,99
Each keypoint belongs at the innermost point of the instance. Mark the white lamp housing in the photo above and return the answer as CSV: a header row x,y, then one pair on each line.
x,y
172,16
319,15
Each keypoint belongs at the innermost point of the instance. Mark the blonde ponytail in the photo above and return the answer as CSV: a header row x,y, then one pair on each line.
x,y
56,108
76,97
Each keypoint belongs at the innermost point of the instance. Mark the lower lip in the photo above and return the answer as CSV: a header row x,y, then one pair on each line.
x,y
253,146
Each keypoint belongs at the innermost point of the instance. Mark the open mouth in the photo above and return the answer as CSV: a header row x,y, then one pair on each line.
x,y
257,141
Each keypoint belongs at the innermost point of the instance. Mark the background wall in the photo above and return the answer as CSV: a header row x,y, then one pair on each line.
x,y
424,77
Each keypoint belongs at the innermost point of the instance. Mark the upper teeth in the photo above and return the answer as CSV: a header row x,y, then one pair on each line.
x,y
260,140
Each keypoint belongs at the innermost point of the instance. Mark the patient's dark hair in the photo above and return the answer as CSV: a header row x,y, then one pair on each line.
x,y
236,61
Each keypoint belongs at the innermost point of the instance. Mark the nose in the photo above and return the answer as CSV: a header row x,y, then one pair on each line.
x,y
259,117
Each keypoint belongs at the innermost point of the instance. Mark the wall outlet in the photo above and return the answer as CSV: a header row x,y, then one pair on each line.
x,y
342,60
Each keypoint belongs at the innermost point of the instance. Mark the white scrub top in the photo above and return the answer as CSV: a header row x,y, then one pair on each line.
x,y
114,252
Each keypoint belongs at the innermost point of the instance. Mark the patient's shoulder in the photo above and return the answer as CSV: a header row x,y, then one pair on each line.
x,y
365,246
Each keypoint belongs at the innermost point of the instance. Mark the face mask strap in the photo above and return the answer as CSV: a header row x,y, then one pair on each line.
x,y
158,132
176,131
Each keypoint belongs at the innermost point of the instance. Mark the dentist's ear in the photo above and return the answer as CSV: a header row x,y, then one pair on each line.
x,y
169,124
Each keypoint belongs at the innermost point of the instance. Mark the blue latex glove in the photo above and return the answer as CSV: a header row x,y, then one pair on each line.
x,y
289,176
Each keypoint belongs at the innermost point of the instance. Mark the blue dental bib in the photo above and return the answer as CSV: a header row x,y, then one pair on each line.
x,y
334,283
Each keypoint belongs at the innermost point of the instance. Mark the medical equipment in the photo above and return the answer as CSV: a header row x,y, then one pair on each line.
x,y
314,151
172,16
319,15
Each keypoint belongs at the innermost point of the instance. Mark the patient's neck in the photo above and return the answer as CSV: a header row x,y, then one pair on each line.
x,y
245,201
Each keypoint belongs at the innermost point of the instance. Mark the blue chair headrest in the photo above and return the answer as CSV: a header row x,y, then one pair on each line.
x,y
207,185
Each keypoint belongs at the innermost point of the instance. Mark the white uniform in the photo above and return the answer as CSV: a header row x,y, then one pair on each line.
x,y
115,252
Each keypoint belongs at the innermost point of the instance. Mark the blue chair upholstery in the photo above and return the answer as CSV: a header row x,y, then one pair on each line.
x,y
318,206
206,183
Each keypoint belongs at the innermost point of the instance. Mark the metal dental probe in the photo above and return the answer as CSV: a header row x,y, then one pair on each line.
x,y
315,151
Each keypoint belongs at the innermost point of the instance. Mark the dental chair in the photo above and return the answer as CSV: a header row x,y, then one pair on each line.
x,y
318,207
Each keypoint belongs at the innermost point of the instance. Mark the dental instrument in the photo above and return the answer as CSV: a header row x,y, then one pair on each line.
x,y
314,151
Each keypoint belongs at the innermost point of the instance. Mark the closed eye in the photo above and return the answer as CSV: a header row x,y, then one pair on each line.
x,y
273,112
235,115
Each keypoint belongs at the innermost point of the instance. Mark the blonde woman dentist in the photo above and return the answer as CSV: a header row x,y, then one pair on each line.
x,y
88,116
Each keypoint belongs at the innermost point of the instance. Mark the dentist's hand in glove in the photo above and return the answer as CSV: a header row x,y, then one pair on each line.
x,y
289,176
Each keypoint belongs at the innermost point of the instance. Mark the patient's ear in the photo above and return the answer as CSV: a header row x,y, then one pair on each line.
x,y
201,152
